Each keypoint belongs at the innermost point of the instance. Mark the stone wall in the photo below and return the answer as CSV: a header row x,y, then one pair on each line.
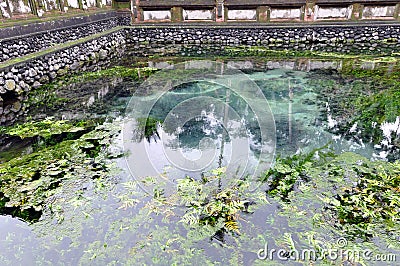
x,y
21,45
16,81
261,35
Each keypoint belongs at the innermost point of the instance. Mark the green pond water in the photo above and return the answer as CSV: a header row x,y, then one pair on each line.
x,y
123,196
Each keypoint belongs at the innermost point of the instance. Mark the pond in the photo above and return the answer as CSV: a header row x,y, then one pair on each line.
x,y
219,159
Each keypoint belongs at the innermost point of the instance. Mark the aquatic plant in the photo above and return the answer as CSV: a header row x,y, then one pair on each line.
x,y
147,128
318,200
116,71
248,51
212,205
370,200
360,102
288,171
48,96
365,196
45,128
28,181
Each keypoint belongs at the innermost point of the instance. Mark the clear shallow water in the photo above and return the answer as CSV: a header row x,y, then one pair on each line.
x,y
207,125
211,118
115,221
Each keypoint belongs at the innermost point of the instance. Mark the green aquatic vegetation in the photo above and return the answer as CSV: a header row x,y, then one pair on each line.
x,y
29,180
360,101
147,128
116,71
263,51
382,105
210,209
163,240
365,197
45,128
46,95
32,136
270,52
211,205
347,197
371,200
289,170
122,232
353,69
384,59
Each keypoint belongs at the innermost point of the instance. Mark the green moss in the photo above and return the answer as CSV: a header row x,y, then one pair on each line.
x,y
28,181
287,53
117,71
45,96
45,128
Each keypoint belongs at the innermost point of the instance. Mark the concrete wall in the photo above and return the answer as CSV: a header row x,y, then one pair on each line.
x,y
324,12
36,27
203,14
160,15
249,14
285,14
155,10
378,12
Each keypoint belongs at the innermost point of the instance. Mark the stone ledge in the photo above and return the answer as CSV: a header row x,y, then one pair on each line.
x,y
252,24
62,23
